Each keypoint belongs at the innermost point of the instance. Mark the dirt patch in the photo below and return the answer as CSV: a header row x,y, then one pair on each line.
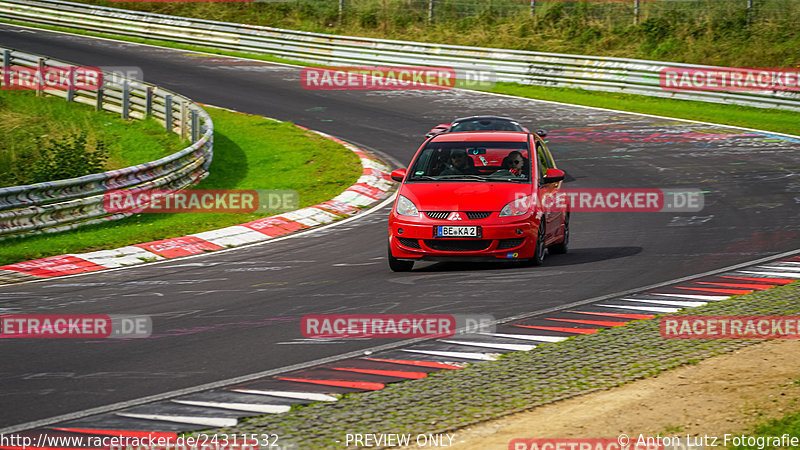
x,y
726,394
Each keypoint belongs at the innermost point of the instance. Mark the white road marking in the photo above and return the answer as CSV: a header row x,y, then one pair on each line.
x,y
513,347
528,337
288,394
457,355
697,297
644,308
355,264
216,422
259,408
667,302
792,271
778,274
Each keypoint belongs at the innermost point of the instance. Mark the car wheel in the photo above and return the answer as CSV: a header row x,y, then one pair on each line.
x,y
538,254
398,265
562,247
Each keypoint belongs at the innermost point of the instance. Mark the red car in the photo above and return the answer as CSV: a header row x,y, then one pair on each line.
x,y
477,123
474,196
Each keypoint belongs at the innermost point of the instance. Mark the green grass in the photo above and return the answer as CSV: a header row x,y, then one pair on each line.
x,y
28,122
250,152
717,32
788,424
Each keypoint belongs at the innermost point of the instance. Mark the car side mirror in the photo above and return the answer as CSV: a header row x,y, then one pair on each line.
x,y
553,176
542,133
399,174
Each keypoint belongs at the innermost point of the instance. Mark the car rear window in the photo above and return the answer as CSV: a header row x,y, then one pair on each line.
x,y
486,125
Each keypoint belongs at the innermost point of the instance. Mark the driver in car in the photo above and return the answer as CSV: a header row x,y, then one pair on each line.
x,y
460,164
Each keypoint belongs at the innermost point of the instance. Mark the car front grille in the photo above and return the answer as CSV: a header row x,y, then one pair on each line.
x,y
438,215
410,243
509,243
458,245
471,215
475,215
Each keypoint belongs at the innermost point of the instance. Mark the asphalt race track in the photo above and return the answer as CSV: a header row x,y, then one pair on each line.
x,y
219,316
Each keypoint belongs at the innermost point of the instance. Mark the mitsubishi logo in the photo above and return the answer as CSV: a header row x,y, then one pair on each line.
x,y
455,215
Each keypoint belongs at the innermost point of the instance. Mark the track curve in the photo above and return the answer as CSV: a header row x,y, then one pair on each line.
x,y
219,316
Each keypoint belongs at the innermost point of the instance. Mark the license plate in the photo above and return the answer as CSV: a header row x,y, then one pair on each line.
x,y
456,231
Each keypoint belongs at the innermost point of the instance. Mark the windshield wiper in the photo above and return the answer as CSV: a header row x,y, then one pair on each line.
x,y
423,177
467,176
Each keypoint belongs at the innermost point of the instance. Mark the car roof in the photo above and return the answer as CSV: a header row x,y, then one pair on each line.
x,y
464,119
471,136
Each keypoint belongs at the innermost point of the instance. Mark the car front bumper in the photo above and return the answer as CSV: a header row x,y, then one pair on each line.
x,y
414,240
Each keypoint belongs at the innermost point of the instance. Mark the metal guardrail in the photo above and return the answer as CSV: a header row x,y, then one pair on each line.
x,y
548,69
66,204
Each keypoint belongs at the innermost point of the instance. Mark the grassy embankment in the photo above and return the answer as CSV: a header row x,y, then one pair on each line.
x,y
769,430
29,123
716,32
250,152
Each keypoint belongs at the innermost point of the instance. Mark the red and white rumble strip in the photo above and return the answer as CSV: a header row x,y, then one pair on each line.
x,y
373,185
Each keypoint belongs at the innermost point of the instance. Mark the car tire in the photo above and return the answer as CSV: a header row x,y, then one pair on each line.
x,y
398,265
563,246
538,254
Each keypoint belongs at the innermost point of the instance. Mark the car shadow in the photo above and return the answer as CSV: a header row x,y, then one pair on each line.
x,y
574,257
590,255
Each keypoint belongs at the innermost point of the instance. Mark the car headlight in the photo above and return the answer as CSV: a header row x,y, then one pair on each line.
x,y
516,207
406,207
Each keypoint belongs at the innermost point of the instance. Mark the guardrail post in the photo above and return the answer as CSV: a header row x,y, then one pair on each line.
x,y
98,105
71,84
533,8
195,125
184,120
39,87
148,102
430,11
636,12
6,65
341,10
168,113
749,11
126,100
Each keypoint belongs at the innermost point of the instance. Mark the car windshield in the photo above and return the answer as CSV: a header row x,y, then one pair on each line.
x,y
474,161
486,125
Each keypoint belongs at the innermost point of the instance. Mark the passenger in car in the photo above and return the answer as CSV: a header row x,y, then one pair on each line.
x,y
516,163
